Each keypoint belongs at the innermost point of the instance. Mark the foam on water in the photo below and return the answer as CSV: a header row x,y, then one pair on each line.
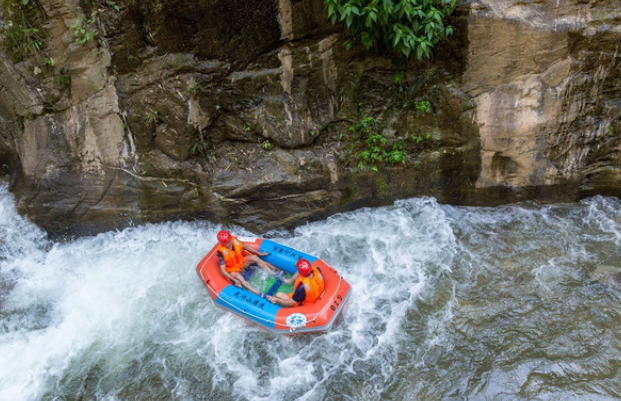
x,y
447,302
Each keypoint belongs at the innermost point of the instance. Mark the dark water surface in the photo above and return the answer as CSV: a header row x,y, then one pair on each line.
x,y
448,303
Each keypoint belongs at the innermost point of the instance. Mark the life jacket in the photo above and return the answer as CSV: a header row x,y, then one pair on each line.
x,y
233,258
312,286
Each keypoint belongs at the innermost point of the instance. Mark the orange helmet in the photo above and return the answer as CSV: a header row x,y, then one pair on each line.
x,y
224,237
304,267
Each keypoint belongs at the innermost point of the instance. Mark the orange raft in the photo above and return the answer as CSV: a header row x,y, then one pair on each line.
x,y
314,318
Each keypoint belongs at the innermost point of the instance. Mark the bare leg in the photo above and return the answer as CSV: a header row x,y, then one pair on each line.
x,y
282,295
282,299
248,259
244,283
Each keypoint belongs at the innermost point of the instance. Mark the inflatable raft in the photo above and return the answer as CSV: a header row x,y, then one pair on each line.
x,y
317,317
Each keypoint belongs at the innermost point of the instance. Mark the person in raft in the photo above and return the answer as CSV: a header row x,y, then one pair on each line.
x,y
308,287
234,256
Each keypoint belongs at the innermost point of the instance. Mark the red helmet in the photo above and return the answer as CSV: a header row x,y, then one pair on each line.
x,y
304,267
224,237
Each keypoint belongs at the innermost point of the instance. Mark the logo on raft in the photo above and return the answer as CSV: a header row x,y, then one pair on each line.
x,y
296,321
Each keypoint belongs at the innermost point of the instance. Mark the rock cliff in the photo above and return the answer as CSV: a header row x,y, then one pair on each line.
x,y
244,112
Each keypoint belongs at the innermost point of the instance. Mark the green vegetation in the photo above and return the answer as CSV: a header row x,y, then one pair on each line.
x,y
419,138
423,106
113,5
316,131
373,152
151,117
199,147
82,28
408,27
21,35
375,147
48,107
267,145
64,80
193,87
399,79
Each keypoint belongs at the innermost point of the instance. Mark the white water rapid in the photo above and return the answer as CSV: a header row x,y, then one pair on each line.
x,y
448,303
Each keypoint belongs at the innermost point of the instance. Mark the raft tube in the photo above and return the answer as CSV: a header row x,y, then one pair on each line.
x,y
314,318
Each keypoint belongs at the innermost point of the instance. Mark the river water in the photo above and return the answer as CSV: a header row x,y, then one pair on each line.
x,y
448,303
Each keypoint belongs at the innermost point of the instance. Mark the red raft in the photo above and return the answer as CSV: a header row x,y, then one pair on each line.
x,y
314,318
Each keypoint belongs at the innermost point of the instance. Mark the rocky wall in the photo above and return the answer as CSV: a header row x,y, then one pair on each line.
x,y
240,112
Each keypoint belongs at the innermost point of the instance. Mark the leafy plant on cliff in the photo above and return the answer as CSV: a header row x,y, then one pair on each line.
x,y
374,150
419,138
200,147
267,145
423,106
151,116
20,35
82,30
193,87
408,27
111,4
63,79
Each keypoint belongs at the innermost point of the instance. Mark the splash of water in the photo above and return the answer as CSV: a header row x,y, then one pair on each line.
x,y
448,303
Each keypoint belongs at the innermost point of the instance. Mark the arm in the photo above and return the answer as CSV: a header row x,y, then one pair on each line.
x,y
255,257
253,251
291,279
